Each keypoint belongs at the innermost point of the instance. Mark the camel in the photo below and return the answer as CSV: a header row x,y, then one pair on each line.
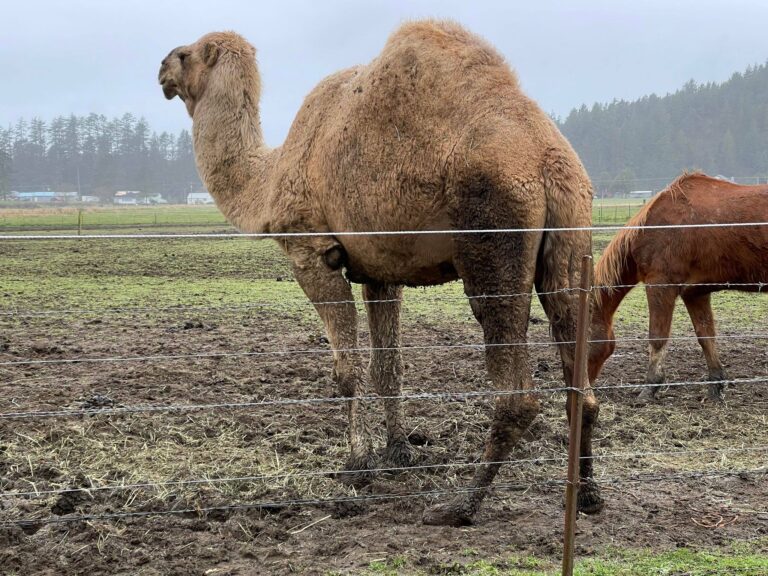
x,y
666,260
432,135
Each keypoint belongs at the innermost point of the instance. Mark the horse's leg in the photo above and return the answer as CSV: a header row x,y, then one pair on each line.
x,y
661,305
700,310
561,307
322,284
495,264
386,368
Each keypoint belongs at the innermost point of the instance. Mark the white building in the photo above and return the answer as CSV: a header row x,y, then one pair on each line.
x,y
199,198
127,197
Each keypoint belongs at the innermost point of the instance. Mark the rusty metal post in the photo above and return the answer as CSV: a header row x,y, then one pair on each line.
x,y
576,403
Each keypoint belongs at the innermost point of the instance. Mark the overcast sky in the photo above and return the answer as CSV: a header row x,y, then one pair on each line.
x,y
81,56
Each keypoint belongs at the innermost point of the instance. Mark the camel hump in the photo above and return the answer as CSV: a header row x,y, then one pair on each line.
x,y
445,39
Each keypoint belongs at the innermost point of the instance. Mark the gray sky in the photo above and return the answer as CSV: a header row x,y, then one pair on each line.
x,y
83,56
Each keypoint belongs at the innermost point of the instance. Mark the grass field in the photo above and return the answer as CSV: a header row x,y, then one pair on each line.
x,y
67,218
133,298
606,211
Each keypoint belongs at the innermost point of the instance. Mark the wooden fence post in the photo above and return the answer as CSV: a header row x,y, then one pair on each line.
x,y
576,403
80,222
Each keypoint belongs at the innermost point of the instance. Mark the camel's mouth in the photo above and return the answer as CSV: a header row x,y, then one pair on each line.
x,y
170,89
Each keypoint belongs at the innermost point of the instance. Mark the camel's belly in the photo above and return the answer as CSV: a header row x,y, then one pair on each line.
x,y
423,260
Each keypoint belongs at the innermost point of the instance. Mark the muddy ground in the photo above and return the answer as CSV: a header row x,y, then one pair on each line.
x,y
653,498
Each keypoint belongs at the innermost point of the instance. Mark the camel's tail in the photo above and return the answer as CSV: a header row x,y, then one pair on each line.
x,y
569,205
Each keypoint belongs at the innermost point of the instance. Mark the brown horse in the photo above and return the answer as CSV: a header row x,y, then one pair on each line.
x,y
687,262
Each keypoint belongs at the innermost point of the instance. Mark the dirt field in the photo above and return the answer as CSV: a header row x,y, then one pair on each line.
x,y
653,498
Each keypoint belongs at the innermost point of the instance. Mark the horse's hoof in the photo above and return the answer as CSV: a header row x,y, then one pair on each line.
x,y
358,471
400,454
451,514
717,390
589,500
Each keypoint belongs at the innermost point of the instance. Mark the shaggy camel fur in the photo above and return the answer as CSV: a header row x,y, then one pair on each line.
x,y
433,134
719,257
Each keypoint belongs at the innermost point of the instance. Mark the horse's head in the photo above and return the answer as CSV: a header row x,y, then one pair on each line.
x,y
602,337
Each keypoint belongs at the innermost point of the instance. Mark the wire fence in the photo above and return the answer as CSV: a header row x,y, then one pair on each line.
x,y
554,387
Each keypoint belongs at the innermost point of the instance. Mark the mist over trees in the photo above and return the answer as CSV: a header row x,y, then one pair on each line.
x,y
96,156
720,128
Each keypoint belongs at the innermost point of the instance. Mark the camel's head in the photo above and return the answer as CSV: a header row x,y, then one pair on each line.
x,y
186,72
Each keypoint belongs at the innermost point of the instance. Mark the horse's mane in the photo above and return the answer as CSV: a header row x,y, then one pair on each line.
x,y
608,272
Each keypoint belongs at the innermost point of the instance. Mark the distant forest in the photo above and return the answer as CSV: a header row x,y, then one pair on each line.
x,y
720,128
96,156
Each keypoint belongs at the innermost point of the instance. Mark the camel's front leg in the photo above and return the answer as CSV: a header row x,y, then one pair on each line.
x,y
386,370
333,300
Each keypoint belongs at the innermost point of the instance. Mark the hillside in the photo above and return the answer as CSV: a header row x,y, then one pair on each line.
x,y
721,128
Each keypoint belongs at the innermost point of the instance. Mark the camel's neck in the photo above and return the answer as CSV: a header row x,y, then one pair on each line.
x,y
231,156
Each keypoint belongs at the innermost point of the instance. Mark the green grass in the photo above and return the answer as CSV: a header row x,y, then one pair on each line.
x,y
67,218
235,272
744,559
614,210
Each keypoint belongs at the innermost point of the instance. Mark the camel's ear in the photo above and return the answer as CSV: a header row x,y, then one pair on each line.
x,y
210,54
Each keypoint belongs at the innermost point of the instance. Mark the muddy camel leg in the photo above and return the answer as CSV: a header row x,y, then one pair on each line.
x,y
561,309
700,310
497,264
661,305
321,284
386,368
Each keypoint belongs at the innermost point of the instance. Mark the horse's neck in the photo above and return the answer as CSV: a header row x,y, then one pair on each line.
x,y
607,301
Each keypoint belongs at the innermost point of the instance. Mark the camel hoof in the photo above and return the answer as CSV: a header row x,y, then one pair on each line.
x,y
358,471
716,396
589,500
400,454
646,395
451,514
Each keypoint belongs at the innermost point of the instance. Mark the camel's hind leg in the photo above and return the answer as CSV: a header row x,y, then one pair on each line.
x,y
561,306
700,310
386,369
661,305
493,265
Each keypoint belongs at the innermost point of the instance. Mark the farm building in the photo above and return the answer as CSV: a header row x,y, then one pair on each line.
x,y
643,194
199,198
127,197
44,196
134,197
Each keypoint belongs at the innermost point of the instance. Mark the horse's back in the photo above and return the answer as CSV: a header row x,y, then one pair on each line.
x,y
722,250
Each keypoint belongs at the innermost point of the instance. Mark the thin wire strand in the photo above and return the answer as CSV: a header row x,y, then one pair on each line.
x,y
477,346
304,302
336,473
280,504
344,234
338,399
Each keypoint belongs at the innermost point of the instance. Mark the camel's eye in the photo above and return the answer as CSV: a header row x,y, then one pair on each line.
x,y
182,57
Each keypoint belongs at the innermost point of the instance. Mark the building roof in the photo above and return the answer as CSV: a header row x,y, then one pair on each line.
x,y
41,194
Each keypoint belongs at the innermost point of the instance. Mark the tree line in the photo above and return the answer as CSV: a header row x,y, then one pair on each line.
x,y
720,128
95,155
